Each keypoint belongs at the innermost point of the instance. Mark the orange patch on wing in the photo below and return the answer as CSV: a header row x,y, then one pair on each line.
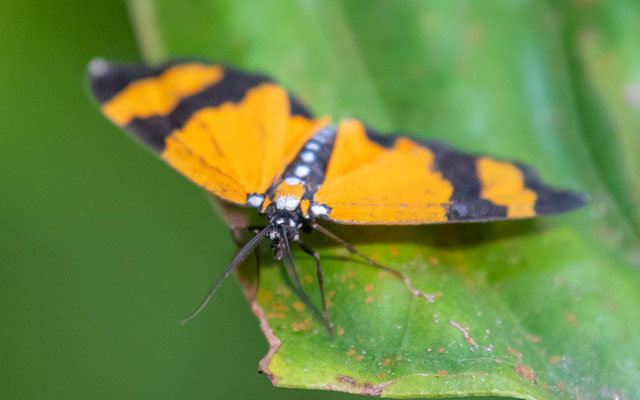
x,y
284,189
304,207
503,184
209,177
238,148
368,184
160,95
351,150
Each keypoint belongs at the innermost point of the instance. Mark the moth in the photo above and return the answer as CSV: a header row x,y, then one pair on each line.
x,y
243,138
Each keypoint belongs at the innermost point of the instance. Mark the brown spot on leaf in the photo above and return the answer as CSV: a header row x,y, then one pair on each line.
x,y
350,352
439,294
366,388
368,300
386,361
393,250
533,338
443,372
330,295
515,353
340,332
368,288
554,360
561,385
264,296
277,315
571,318
526,372
441,350
434,261
303,325
347,379
381,375
279,306
298,306
359,358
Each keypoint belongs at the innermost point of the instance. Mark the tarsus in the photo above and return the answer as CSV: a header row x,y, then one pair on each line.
x,y
295,281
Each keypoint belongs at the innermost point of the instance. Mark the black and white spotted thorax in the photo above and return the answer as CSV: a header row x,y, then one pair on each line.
x,y
289,200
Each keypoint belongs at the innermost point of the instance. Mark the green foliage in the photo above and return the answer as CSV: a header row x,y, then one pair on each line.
x,y
543,309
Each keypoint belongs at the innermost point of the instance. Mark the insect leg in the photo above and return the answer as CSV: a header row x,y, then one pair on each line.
x,y
373,263
316,256
242,254
352,249
295,281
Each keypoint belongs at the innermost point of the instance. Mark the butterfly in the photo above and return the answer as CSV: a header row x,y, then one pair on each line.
x,y
247,141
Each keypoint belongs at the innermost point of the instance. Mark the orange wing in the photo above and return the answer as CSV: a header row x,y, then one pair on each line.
x,y
373,179
231,133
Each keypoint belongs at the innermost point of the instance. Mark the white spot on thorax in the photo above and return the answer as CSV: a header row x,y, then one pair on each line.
x,y
313,146
326,132
308,156
323,131
255,200
288,203
301,171
291,203
292,181
318,209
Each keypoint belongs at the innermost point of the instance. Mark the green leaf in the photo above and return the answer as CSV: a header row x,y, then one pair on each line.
x,y
543,309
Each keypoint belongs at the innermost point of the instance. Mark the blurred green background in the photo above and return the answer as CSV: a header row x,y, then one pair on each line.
x,y
104,249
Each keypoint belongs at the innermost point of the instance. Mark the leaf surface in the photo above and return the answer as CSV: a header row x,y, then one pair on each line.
x,y
543,309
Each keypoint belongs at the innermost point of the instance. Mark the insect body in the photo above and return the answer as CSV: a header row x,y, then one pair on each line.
x,y
244,139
